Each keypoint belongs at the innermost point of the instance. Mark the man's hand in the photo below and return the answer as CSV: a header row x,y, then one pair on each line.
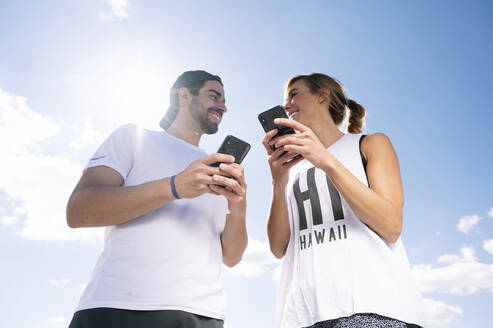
x,y
233,178
197,178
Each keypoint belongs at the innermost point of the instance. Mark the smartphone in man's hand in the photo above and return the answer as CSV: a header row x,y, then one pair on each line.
x,y
233,146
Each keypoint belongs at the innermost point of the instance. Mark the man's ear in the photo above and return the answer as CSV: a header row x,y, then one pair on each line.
x,y
184,97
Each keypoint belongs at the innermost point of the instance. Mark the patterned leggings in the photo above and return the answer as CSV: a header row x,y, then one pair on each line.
x,y
363,320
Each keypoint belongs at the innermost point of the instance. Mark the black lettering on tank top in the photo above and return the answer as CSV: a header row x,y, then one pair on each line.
x,y
335,199
311,194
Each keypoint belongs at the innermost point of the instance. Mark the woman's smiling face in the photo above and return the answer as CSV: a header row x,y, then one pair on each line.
x,y
302,105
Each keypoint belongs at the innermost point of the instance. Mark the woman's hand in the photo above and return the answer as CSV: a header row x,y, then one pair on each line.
x,y
304,143
280,160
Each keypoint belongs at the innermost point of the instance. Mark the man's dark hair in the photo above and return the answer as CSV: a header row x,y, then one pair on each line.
x,y
193,88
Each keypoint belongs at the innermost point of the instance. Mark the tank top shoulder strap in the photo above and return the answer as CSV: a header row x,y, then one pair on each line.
x,y
363,159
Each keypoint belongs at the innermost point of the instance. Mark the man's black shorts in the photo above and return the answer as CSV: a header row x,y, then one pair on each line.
x,y
119,318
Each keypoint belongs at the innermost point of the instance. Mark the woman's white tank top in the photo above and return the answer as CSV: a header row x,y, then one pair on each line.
x,y
335,265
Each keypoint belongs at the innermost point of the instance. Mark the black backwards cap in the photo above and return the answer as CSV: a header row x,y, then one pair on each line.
x,y
186,79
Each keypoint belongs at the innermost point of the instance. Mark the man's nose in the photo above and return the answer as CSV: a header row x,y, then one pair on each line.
x,y
222,107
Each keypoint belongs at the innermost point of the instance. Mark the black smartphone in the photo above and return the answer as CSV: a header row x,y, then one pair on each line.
x,y
233,146
267,120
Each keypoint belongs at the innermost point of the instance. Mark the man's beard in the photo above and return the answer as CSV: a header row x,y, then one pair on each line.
x,y
201,116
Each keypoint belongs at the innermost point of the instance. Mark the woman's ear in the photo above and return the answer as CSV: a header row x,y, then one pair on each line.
x,y
324,96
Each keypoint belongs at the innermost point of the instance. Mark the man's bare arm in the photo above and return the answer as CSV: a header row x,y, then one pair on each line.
x,y
99,199
234,237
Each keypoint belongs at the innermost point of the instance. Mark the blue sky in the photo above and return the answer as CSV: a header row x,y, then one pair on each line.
x,y
73,71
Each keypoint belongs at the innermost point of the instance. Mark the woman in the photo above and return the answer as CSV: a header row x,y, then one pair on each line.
x,y
336,216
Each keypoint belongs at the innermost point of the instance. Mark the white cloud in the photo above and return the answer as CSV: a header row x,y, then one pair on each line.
x,y
490,213
37,181
468,254
467,222
55,282
437,314
118,10
488,246
23,128
8,220
86,135
256,260
464,274
56,320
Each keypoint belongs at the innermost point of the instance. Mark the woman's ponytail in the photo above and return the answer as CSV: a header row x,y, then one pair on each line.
x,y
356,114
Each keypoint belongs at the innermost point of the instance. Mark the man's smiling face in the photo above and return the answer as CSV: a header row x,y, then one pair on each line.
x,y
208,107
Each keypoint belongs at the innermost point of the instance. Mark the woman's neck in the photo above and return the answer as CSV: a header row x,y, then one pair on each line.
x,y
328,134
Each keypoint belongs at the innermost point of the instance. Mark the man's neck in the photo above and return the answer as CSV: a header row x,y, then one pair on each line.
x,y
185,133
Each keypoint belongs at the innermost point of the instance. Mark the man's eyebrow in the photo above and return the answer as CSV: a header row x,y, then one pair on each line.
x,y
217,93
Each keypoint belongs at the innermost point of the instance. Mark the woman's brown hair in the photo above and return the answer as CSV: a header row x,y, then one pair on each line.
x,y
319,83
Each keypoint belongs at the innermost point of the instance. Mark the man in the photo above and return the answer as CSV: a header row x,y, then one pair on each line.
x,y
166,217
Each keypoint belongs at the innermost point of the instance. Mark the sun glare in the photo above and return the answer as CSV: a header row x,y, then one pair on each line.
x,y
138,96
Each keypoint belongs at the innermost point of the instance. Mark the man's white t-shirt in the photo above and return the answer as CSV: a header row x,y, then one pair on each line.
x,y
170,258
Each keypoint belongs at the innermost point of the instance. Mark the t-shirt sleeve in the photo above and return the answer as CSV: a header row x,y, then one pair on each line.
x,y
116,151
